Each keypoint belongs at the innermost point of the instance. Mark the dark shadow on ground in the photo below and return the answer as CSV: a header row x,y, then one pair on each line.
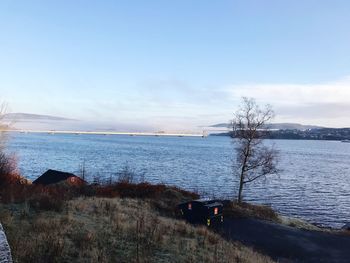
x,y
287,244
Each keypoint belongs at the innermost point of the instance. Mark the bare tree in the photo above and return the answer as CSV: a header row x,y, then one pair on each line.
x,y
3,125
253,159
82,170
8,167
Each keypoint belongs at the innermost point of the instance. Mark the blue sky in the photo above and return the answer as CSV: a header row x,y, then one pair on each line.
x,y
175,65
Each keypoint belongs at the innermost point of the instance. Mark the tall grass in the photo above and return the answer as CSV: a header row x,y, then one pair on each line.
x,y
113,230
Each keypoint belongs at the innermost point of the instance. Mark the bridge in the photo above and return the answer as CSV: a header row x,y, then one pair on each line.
x,y
204,134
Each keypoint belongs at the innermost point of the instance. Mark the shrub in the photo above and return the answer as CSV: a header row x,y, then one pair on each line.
x,y
233,209
8,170
164,198
47,202
128,175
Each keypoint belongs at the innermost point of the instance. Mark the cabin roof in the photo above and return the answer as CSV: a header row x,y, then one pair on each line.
x,y
205,202
213,204
53,177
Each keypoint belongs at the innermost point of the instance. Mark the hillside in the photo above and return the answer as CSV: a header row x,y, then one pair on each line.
x,y
27,121
32,117
277,126
329,134
112,230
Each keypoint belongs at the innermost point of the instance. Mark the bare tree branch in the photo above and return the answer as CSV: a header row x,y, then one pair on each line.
x,y
249,127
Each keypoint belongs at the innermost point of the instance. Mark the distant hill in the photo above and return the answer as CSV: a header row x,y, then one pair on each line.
x,y
331,134
278,126
33,117
27,121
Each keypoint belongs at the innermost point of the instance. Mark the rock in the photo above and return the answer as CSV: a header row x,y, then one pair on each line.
x,y
5,252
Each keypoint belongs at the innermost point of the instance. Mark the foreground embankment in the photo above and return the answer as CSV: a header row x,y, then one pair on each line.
x,y
128,222
117,223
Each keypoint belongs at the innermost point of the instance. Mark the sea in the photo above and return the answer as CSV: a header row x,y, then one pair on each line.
x,y
313,182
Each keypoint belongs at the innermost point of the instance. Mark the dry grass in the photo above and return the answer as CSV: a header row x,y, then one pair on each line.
x,y
301,224
163,198
233,209
112,230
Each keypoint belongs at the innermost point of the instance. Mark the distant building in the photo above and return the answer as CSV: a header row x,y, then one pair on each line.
x,y
51,177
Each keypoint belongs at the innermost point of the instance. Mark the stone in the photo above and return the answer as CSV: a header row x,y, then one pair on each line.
x,y
5,251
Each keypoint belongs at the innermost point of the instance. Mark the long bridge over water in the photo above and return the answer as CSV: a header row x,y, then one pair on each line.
x,y
204,134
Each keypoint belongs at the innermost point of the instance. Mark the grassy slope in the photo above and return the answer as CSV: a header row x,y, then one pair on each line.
x,y
262,212
113,230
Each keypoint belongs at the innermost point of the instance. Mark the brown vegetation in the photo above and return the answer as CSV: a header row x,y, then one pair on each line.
x,y
112,230
233,209
8,170
164,198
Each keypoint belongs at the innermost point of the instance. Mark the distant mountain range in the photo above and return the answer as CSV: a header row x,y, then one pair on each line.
x,y
33,117
278,126
27,121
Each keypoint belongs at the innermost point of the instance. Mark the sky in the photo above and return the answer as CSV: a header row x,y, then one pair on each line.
x,y
176,65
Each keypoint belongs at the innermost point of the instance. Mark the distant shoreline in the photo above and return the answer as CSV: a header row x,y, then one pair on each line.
x,y
324,134
274,135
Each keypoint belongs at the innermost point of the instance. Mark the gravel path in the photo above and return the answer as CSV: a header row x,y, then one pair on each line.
x,y
288,244
5,252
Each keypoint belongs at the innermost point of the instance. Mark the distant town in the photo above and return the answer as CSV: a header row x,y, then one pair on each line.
x,y
331,134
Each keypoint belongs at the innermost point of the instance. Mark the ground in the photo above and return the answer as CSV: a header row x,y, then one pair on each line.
x,y
127,222
98,229
288,244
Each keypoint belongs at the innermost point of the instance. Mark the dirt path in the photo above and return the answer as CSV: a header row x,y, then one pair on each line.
x,y
5,252
288,244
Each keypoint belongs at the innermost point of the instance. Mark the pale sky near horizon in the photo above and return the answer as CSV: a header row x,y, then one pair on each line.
x,y
176,65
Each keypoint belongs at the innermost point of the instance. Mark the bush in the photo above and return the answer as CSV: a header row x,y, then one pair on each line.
x,y
128,175
140,190
233,209
164,198
8,170
47,203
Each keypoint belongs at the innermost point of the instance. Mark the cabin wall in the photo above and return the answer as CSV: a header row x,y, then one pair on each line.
x,y
75,181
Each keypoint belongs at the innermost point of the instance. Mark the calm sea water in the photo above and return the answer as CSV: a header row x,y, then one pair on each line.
x,y
314,183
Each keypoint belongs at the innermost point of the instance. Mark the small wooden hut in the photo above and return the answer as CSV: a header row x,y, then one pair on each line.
x,y
202,211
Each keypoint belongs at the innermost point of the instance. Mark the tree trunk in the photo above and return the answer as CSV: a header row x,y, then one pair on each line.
x,y
241,179
240,187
